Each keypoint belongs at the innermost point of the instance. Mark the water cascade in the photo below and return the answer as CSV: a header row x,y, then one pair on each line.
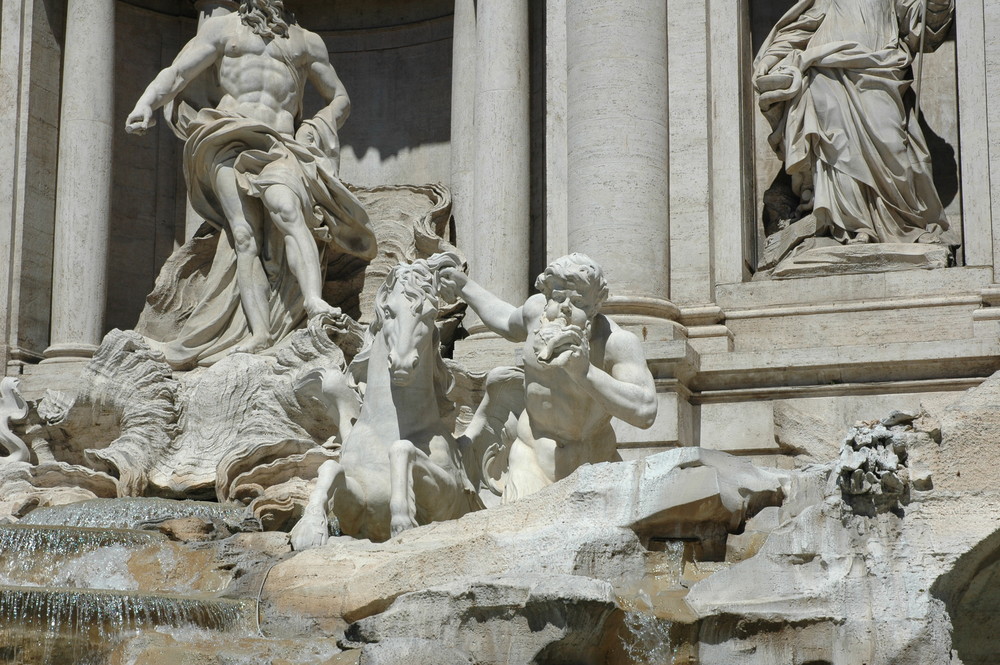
x,y
70,595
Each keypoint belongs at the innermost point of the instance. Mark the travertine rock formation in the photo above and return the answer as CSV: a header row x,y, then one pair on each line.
x,y
591,524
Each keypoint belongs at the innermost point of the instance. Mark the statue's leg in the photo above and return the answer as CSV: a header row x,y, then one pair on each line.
x,y
331,484
417,480
246,233
402,504
286,212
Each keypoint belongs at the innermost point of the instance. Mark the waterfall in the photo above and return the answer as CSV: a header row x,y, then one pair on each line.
x,y
69,595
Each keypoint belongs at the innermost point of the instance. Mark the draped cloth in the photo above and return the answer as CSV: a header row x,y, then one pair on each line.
x,y
845,126
195,315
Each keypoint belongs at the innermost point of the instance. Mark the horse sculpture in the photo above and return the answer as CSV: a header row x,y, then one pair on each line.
x,y
399,465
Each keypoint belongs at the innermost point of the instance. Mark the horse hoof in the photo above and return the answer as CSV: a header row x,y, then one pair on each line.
x,y
400,524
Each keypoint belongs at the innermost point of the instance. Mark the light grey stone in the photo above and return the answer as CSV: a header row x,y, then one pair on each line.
x,y
880,257
518,619
412,651
83,188
588,524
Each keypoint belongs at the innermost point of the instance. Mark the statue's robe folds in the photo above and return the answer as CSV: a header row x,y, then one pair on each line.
x,y
195,313
848,124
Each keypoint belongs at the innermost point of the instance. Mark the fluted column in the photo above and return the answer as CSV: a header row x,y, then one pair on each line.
x,y
499,258
83,199
617,143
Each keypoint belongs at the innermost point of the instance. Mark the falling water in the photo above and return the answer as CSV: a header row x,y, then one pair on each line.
x,y
68,595
106,614
646,638
60,540
134,513
81,626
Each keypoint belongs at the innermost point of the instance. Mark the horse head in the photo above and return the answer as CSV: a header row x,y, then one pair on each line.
x,y
406,309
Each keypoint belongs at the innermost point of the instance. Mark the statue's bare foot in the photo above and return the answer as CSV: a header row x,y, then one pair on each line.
x,y
400,523
255,344
312,530
318,306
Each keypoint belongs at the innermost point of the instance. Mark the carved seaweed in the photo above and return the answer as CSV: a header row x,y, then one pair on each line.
x,y
134,383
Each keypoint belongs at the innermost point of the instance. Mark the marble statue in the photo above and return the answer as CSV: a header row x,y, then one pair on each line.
x,y
399,465
12,407
833,77
580,371
260,174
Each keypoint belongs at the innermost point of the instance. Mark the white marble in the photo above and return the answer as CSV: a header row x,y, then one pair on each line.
x,y
399,465
12,407
580,371
828,82
253,170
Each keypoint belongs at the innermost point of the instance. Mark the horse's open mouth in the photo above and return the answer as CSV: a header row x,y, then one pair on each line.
x,y
400,377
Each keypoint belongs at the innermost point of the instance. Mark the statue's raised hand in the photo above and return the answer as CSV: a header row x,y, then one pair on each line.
x,y
140,120
451,281
566,347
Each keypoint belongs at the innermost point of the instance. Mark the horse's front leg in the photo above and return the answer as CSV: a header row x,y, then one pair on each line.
x,y
313,530
402,503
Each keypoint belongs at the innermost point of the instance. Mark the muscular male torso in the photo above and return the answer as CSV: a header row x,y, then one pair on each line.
x,y
263,79
562,423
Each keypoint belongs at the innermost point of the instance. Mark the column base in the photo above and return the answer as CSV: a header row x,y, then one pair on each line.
x,y
68,352
641,306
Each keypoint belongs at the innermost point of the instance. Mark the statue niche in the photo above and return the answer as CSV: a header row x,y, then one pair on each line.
x,y
838,83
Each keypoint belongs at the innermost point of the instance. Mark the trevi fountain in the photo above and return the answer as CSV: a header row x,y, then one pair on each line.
x,y
453,331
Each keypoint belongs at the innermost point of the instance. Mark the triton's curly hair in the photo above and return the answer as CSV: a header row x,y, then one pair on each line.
x,y
579,272
266,18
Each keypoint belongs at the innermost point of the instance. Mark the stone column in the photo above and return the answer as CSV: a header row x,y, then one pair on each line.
x,y
83,199
463,126
499,260
617,142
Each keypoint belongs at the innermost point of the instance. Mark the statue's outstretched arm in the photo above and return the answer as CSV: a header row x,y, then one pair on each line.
x,y
196,56
501,317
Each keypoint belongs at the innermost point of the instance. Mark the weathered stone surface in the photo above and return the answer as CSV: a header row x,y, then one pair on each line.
x,y
531,618
586,524
851,259
206,432
410,651
200,649
902,589
187,529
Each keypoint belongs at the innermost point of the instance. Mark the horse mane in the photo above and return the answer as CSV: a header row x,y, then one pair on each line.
x,y
418,281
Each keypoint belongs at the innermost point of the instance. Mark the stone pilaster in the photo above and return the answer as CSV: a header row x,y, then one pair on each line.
x,y
83,201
